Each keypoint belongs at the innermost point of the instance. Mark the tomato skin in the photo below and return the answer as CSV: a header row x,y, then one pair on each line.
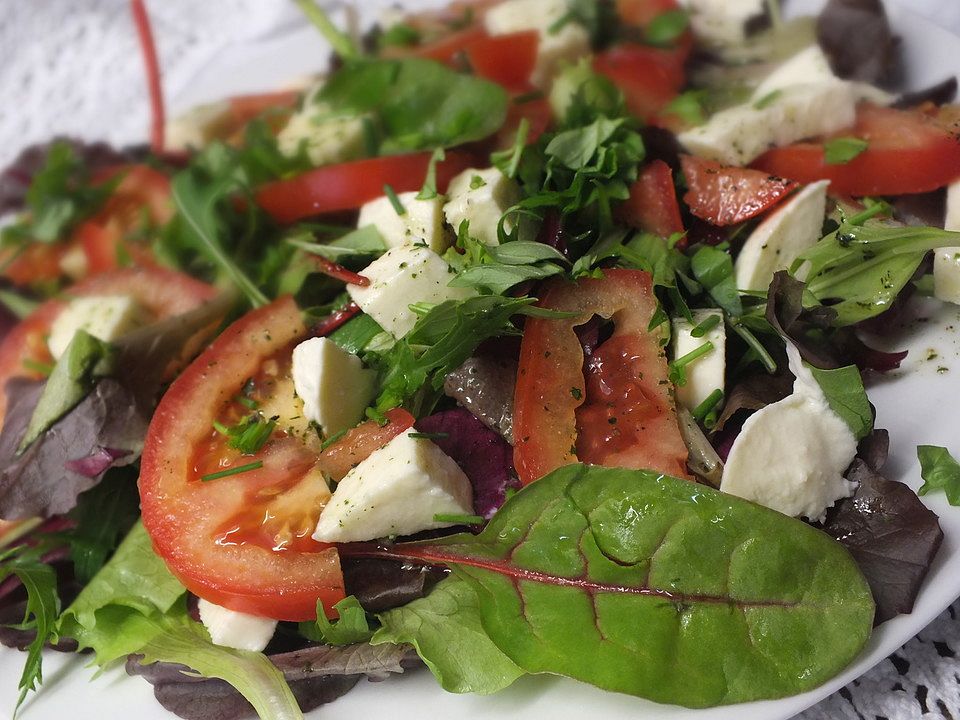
x,y
505,59
729,195
908,152
184,516
347,186
337,460
561,416
163,292
648,77
652,205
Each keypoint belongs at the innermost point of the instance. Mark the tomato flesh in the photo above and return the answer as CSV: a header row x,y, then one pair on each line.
x,y
620,413
652,205
648,77
505,59
907,152
729,195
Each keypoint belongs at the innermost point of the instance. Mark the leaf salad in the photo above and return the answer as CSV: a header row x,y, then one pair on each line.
x,y
536,337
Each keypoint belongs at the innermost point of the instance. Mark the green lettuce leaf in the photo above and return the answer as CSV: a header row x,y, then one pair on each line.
x,y
847,397
446,631
939,471
351,628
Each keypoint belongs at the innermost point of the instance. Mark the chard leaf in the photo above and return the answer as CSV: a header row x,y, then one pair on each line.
x,y
892,536
648,585
419,104
446,631
352,627
85,359
713,268
939,472
847,397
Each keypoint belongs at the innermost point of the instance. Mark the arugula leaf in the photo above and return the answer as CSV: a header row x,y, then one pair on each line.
x,y
846,396
43,607
939,471
59,197
85,359
419,104
352,627
713,268
342,44
841,150
699,612
497,268
446,631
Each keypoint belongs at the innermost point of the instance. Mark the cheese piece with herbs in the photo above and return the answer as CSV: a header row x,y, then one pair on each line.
x,y
791,455
784,234
946,261
106,317
723,22
333,384
237,630
399,489
562,40
421,221
326,136
401,277
704,375
481,197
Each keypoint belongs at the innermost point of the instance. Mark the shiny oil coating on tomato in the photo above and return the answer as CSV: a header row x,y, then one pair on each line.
x,y
620,413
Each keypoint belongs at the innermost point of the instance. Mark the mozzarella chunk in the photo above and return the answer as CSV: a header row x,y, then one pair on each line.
x,y
397,490
787,232
790,456
421,221
946,261
706,373
106,317
325,136
808,67
481,197
195,128
722,22
740,134
565,45
333,384
401,277
233,629
73,262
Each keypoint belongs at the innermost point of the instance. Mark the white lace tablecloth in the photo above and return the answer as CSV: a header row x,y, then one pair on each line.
x,y
70,66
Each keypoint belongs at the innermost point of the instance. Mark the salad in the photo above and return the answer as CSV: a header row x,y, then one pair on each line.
x,y
533,338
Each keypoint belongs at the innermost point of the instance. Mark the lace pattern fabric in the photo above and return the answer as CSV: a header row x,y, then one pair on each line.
x,y
66,66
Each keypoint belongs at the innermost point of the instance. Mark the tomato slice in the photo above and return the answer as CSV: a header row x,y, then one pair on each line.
x,y
205,530
729,195
648,77
907,152
164,293
620,412
445,49
349,185
652,205
641,13
505,59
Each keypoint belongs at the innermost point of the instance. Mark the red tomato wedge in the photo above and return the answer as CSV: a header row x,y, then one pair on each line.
x,y
445,49
907,152
337,460
648,77
164,293
505,59
729,195
617,411
652,205
349,185
219,536
642,12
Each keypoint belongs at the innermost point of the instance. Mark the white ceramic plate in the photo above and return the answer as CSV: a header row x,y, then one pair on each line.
x,y
915,404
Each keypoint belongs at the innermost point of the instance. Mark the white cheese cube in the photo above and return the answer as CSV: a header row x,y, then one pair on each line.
x,y
401,277
397,490
791,455
566,44
946,261
706,373
73,263
233,629
421,221
481,197
740,134
326,136
808,67
106,317
776,242
333,384
722,22
195,128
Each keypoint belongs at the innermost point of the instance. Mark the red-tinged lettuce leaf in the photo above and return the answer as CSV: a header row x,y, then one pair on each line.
x,y
892,536
43,480
483,455
653,586
484,385
384,584
316,675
